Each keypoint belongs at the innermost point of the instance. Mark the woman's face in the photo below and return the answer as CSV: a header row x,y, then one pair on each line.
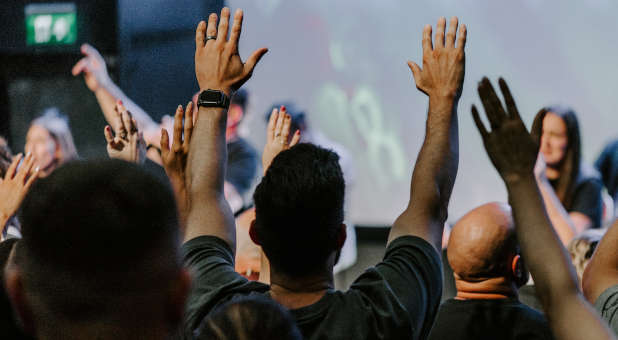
x,y
42,146
554,140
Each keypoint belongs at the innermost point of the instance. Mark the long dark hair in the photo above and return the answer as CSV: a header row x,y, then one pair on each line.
x,y
570,164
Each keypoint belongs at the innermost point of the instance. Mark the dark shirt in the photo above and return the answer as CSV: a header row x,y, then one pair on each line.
x,y
488,319
242,163
396,299
587,198
607,306
607,165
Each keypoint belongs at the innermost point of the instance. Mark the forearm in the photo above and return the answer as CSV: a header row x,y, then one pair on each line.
x,y
107,95
558,216
209,212
434,175
547,259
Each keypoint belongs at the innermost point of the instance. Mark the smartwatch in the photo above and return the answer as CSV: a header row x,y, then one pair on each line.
x,y
213,98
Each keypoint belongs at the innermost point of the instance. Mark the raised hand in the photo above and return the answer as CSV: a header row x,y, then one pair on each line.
x,y
15,185
278,136
217,63
443,69
93,67
511,148
128,144
174,159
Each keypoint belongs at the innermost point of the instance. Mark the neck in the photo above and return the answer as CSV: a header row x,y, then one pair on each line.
x,y
485,289
294,293
552,173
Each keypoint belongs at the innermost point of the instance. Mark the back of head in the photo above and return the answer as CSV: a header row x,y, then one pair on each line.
x,y
57,124
299,209
100,239
483,243
247,318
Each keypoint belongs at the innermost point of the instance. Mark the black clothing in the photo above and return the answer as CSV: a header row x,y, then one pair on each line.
x,y
396,299
242,163
587,198
488,319
607,165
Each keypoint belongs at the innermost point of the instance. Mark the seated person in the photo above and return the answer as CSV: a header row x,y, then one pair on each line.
x,y
99,257
488,271
255,317
299,208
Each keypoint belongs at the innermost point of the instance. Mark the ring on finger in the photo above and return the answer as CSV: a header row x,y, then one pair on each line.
x,y
211,37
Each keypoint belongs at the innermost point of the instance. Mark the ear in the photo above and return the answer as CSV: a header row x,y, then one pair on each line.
x,y
17,295
519,271
343,234
253,234
178,297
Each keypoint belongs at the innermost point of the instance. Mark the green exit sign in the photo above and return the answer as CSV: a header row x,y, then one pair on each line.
x,y
51,24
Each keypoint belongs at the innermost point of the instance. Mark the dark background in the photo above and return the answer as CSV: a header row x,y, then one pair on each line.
x,y
148,46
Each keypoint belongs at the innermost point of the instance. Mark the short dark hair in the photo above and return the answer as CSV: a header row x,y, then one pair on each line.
x,y
299,209
241,97
97,236
249,317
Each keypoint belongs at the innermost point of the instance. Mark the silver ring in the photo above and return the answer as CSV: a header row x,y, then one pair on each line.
x,y
211,37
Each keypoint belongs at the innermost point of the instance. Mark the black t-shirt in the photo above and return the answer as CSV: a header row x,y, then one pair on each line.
x,y
396,299
242,162
607,165
488,319
587,198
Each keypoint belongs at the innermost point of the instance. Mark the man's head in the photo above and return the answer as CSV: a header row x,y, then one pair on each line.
x,y
99,253
483,246
299,211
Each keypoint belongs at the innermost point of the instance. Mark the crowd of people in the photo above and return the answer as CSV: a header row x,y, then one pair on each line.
x,y
144,245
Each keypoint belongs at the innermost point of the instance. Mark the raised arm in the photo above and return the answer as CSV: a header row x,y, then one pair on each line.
x,y
602,270
92,66
218,67
436,166
513,152
14,187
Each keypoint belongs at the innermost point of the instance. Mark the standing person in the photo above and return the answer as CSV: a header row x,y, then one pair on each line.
x,y
299,206
50,141
571,191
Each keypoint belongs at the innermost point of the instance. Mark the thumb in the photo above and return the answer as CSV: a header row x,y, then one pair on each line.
x,y
416,71
253,59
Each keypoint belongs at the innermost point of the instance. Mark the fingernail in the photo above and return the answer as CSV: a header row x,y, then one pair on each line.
x,y
282,107
28,154
36,169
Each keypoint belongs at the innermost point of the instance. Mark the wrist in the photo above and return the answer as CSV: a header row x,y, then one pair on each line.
x,y
517,180
216,86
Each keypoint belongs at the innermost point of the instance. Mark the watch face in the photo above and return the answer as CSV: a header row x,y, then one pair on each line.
x,y
211,96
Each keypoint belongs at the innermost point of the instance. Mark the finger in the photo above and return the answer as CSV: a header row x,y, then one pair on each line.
x,y
479,122
285,131
126,121
508,100
279,124
427,44
199,34
80,66
10,172
440,27
109,137
133,123
224,23
461,40
177,137
493,108
416,71
253,59
236,29
90,51
452,31
272,121
119,127
165,143
33,177
211,30
25,168
295,138
188,125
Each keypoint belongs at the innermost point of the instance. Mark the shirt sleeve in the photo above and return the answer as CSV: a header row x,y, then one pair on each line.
x,y
607,306
588,200
412,271
211,263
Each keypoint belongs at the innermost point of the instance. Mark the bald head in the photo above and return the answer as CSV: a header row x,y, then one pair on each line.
x,y
483,242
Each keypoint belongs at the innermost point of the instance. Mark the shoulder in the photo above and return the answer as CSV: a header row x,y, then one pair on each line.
x,y
607,305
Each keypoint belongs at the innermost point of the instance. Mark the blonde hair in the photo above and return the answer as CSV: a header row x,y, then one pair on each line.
x,y
57,124
582,248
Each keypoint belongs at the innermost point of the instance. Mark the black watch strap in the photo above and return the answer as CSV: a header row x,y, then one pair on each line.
x,y
213,98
